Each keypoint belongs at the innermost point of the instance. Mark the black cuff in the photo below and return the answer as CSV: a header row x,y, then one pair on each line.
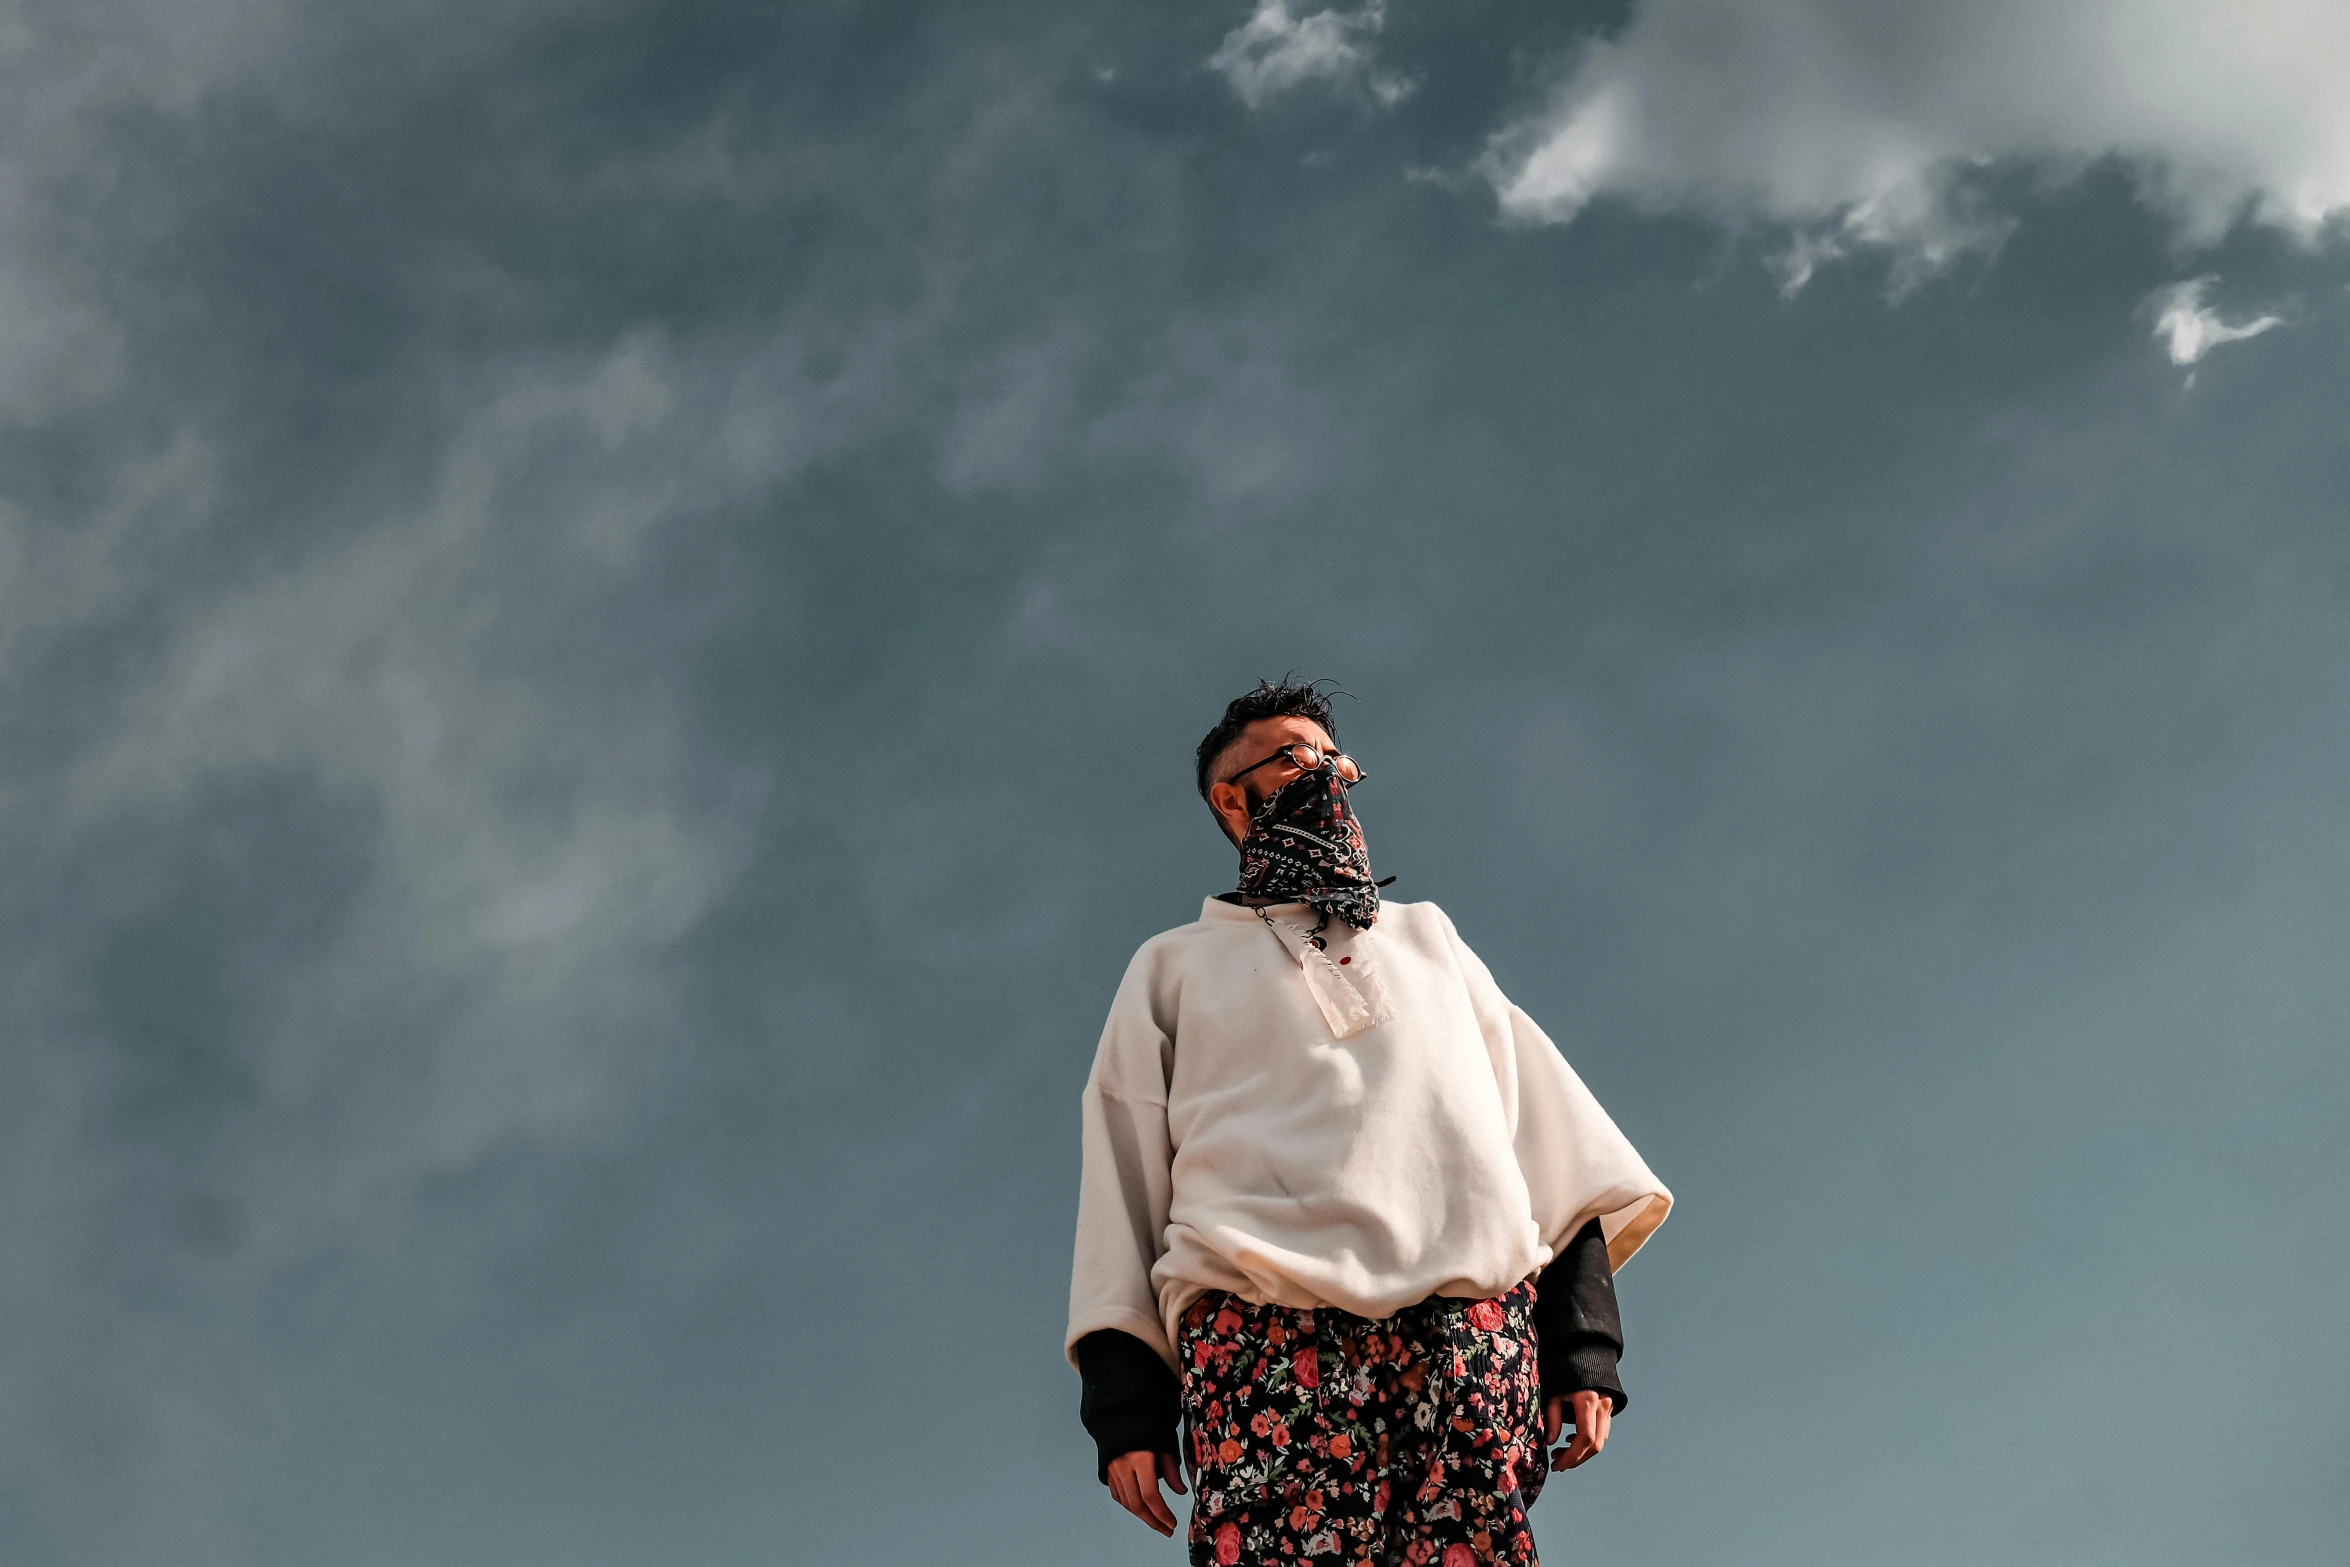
x,y
1578,1335
1588,1367
1132,1402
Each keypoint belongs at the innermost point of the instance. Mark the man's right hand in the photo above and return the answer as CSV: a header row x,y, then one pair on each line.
x,y
1134,1481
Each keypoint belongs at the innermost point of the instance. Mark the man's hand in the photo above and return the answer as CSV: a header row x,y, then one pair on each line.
x,y
1592,1412
1134,1481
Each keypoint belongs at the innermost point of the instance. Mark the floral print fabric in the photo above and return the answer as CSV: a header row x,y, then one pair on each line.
x,y
1410,1441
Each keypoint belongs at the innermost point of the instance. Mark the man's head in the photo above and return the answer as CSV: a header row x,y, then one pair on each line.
x,y
1254,727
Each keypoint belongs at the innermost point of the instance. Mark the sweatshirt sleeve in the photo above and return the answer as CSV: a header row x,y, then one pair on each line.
x,y
1578,1165
1126,1185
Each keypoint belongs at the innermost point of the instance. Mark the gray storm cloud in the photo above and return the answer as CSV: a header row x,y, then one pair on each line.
x,y
1857,124
2189,328
1274,51
495,973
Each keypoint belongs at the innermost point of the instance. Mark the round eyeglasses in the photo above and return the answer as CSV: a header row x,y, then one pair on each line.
x,y
1308,759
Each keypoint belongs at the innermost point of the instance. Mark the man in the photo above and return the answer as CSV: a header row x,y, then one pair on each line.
x,y
1345,1210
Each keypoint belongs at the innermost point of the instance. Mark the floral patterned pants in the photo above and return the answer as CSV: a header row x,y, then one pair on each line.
x,y
1410,1441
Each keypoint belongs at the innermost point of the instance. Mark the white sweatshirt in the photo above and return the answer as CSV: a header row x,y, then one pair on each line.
x,y
1358,1129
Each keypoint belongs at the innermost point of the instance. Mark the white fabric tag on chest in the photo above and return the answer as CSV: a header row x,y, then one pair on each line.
x,y
1350,998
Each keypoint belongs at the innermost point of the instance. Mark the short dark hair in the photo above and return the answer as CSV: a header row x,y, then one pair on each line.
x,y
1285,698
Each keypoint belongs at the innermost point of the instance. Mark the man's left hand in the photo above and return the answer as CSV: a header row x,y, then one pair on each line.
x,y
1592,1413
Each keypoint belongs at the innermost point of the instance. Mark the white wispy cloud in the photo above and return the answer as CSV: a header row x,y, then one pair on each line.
x,y
1858,127
2189,329
1274,51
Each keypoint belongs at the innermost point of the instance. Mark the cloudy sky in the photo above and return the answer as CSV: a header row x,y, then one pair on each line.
x,y
603,609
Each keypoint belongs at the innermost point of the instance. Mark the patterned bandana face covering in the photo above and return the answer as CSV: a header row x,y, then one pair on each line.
x,y
1304,845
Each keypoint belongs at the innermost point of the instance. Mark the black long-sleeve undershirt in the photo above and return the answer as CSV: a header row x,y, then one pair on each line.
x,y
1132,1402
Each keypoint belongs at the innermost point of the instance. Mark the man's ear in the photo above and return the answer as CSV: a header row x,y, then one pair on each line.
x,y
1226,800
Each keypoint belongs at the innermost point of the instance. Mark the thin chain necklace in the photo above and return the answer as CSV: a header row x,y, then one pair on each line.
x,y
1313,937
